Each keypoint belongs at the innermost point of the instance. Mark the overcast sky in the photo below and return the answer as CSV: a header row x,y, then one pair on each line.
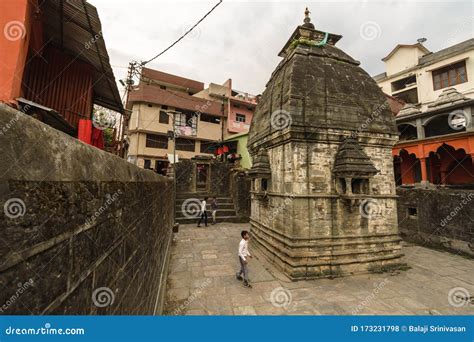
x,y
241,39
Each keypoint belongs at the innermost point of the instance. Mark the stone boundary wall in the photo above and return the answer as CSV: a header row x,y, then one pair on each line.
x,y
240,191
440,217
81,230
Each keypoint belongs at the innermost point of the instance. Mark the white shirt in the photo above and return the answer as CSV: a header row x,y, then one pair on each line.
x,y
203,206
244,249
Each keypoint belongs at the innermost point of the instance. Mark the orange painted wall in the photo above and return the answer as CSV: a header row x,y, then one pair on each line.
x,y
15,22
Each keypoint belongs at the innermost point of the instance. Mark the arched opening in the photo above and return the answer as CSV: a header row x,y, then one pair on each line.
x,y
407,132
440,125
407,168
450,166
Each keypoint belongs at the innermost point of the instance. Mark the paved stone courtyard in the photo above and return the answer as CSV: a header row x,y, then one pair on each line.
x,y
201,281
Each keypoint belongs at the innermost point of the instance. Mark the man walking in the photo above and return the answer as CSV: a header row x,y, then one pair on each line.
x,y
243,258
203,212
214,209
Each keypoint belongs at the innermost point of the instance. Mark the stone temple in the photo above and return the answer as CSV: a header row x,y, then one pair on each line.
x,y
323,191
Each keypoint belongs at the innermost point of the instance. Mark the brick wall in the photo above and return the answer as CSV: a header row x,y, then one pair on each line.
x,y
438,217
81,231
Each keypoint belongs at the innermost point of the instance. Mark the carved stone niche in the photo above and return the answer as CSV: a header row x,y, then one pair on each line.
x,y
261,175
353,170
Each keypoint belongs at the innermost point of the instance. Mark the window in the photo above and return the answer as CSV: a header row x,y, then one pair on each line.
x,y
360,186
150,105
164,118
240,117
264,184
156,141
162,87
164,107
404,83
208,146
185,144
451,75
147,164
210,118
412,212
409,96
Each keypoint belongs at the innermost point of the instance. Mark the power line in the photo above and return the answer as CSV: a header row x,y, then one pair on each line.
x,y
184,35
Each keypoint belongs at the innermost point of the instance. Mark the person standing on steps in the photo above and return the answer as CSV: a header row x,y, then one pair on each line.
x,y
244,255
203,212
214,209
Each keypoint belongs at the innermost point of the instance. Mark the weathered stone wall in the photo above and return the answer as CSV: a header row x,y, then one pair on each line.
x,y
306,228
440,217
81,231
240,191
185,176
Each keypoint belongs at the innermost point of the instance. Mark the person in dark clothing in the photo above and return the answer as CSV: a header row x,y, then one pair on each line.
x,y
214,209
203,212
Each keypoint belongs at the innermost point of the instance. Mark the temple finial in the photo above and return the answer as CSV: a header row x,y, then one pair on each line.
x,y
307,19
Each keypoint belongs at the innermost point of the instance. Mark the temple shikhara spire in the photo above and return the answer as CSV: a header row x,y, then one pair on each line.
x,y
323,191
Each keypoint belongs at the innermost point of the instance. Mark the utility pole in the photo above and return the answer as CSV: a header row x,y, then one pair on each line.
x,y
132,70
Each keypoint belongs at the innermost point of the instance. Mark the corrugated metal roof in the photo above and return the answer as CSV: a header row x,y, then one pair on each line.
x,y
74,26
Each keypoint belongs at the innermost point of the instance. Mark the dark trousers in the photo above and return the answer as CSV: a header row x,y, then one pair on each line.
x,y
203,216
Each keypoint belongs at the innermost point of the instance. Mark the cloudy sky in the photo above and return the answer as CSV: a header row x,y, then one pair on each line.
x,y
241,39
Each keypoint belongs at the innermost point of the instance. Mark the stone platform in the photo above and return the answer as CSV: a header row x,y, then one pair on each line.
x,y
201,281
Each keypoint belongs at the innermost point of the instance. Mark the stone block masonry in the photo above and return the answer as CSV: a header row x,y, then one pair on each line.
x,y
440,217
87,232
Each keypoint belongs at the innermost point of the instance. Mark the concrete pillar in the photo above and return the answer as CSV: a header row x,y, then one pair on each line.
x,y
420,131
470,124
424,173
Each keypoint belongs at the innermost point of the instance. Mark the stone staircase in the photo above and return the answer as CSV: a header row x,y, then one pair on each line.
x,y
188,208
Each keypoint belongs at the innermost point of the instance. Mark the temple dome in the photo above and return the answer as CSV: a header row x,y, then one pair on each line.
x,y
318,86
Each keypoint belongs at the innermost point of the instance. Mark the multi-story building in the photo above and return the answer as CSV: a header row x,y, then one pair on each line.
x,y
436,124
239,106
200,120
207,117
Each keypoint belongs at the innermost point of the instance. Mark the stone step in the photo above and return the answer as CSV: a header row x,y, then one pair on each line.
x,y
220,206
219,199
231,219
220,213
